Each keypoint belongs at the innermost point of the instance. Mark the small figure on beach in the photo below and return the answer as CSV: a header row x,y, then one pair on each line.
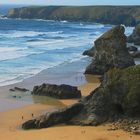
x,y
32,115
22,117
83,132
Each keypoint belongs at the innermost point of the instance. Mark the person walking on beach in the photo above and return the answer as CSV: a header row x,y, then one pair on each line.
x,y
32,115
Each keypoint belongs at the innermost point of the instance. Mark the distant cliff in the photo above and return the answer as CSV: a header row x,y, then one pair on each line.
x,y
128,15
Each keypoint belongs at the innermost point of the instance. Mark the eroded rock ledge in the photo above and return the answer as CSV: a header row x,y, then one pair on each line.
x,y
55,117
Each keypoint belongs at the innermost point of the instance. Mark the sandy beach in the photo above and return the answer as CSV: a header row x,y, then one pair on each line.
x,y
10,123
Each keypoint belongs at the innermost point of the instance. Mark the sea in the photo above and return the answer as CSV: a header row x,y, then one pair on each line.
x,y
29,46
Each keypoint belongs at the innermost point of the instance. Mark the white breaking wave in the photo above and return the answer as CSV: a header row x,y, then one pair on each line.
x,y
20,34
44,42
15,54
18,75
64,21
128,30
94,26
10,49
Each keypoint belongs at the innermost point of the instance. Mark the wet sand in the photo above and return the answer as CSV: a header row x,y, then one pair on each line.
x,y
9,101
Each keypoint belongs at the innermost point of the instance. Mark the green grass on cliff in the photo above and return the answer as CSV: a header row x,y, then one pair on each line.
x,y
126,84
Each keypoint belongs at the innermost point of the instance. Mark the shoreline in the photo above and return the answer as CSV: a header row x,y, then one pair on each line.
x,y
53,73
15,99
8,100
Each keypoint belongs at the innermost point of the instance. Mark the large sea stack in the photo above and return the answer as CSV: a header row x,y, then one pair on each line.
x,y
110,51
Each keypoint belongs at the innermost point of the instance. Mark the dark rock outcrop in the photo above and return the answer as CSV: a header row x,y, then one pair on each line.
x,y
57,91
55,117
110,51
132,49
90,52
19,89
135,36
135,54
117,96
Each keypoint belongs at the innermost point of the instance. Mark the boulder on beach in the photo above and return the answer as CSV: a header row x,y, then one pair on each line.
x,y
110,51
57,91
117,96
18,89
135,36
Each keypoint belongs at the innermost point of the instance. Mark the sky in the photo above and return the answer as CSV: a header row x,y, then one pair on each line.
x,y
72,2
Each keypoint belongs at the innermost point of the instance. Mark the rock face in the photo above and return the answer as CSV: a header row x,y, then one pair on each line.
x,y
132,49
110,51
118,95
135,54
135,36
55,117
56,91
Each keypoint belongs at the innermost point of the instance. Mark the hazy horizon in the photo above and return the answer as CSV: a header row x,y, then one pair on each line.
x,y
71,2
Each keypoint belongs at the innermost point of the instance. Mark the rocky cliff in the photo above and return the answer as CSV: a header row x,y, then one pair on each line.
x,y
127,15
110,51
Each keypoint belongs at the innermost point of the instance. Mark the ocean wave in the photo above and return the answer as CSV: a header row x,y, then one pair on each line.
x,y
77,58
64,21
128,30
93,26
12,79
3,18
11,49
20,74
26,19
16,54
22,34
95,33
43,42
